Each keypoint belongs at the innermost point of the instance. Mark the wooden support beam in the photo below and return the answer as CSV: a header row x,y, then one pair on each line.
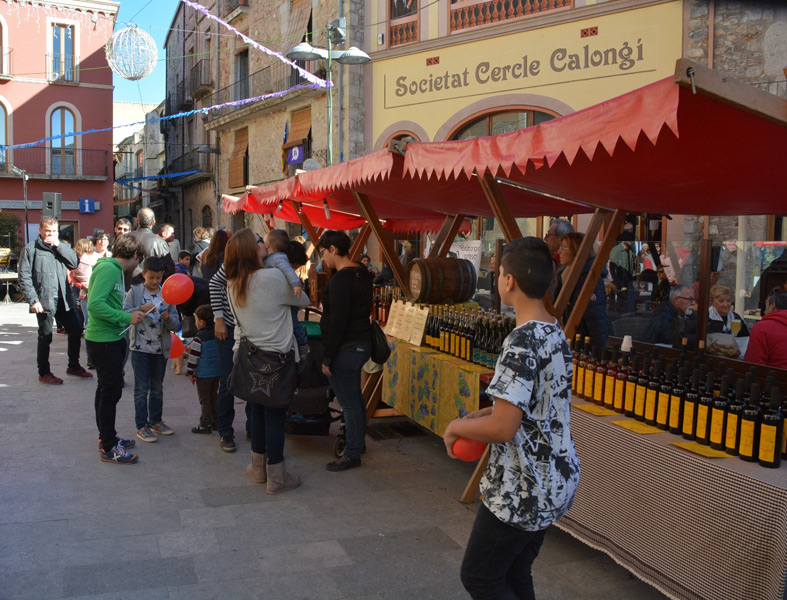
x,y
306,222
360,241
500,208
445,247
434,252
310,250
584,252
471,489
367,210
703,297
614,222
373,393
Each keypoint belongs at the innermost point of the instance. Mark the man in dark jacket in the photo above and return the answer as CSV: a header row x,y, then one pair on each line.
x,y
153,244
43,277
674,320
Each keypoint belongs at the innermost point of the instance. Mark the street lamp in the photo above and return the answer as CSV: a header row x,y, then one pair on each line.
x,y
351,56
23,174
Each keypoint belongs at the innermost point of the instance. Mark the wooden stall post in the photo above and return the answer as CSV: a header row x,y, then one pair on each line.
x,y
615,226
446,236
385,242
307,224
360,241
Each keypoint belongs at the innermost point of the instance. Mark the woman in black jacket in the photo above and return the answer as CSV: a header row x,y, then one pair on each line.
x,y
346,338
595,322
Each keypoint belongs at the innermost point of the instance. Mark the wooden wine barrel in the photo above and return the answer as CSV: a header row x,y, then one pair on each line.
x,y
441,280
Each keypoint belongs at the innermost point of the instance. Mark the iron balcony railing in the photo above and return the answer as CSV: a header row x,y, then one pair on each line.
x,y
202,78
275,78
63,67
183,95
193,161
230,5
67,161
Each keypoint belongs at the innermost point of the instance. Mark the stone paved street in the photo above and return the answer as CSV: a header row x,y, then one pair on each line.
x,y
186,523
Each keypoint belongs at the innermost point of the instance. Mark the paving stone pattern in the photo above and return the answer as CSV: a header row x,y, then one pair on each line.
x,y
186,523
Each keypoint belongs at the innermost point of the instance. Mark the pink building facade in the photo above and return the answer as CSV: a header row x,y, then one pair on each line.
x,y
55,81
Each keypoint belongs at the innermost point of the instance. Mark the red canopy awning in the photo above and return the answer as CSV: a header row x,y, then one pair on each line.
x,y
660,149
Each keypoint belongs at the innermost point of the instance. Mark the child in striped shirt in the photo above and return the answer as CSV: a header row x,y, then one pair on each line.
x,y
203,369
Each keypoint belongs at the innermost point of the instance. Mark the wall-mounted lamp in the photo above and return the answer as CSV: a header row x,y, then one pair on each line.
x,y
281,203
325,207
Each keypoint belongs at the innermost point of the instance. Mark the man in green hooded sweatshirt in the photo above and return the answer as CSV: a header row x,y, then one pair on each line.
x,y
105,344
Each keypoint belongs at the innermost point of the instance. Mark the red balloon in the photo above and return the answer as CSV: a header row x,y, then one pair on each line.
x,y
177,289
468,450
176,350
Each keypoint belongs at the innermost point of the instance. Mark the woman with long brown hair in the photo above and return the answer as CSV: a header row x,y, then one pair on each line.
x,y
213,257
260,299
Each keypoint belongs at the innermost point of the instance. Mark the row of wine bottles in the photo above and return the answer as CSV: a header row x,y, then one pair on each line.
x,y
382,301
690,399
474,336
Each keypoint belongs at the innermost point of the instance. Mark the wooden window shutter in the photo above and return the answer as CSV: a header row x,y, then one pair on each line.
x,y
301,125
237,157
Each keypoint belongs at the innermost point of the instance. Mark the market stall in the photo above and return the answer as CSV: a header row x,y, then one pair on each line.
x,y
698,143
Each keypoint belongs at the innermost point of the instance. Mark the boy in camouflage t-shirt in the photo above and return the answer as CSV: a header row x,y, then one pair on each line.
x,y
533,468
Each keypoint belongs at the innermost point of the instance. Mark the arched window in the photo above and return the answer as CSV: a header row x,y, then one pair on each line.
x,y
501,122
3,138
63,153
207,216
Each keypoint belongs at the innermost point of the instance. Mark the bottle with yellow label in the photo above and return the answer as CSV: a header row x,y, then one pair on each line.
x,y
610,379
732,429
583,361
704,404
621,377
630,393
750,426
576,351
600,377
642,388
590,374
677,398
651,395
771,432
688,429
663,398
718,415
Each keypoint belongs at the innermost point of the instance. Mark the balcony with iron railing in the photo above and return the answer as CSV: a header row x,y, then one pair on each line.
x,y
61,163
62,68
202,162
183,98
202,78
275,78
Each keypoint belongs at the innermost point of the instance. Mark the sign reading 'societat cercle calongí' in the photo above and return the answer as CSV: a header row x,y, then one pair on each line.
x,y
508,69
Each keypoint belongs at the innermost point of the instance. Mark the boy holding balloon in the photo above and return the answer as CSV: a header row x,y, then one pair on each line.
x,y
150,343
533,468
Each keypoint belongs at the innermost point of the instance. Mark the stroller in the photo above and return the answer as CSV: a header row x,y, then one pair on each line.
x,y
310,412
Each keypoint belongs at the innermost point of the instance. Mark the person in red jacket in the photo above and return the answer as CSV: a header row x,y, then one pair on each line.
x,y
768,342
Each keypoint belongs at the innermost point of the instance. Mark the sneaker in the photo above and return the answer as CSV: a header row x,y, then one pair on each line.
x,y
343,464
146,435
61,330
80,372
119,455
125,444
50,379
161,428
201,429
228,444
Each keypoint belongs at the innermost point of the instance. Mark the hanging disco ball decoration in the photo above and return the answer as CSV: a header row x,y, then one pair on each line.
x,y
132,53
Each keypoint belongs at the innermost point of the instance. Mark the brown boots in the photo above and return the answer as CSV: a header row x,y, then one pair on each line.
x,y
256,470
279,480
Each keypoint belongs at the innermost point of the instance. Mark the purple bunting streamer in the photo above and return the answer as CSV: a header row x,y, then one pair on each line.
x,y
304,73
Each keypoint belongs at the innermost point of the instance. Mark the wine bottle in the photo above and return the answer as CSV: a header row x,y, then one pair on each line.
x,y
642,388
702,431
718,415
600,377
651,394
750,426
610,378
590,374
732,432
621,378
771,432
688,428
677,396
576,352
581,366
663,399
630,395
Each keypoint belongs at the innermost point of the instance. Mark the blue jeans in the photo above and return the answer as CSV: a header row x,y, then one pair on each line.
x,y
149,370
498,558
345,381
267,432
226,410
297,329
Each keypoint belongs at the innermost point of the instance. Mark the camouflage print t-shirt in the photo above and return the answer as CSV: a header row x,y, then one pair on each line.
x,y
530,481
